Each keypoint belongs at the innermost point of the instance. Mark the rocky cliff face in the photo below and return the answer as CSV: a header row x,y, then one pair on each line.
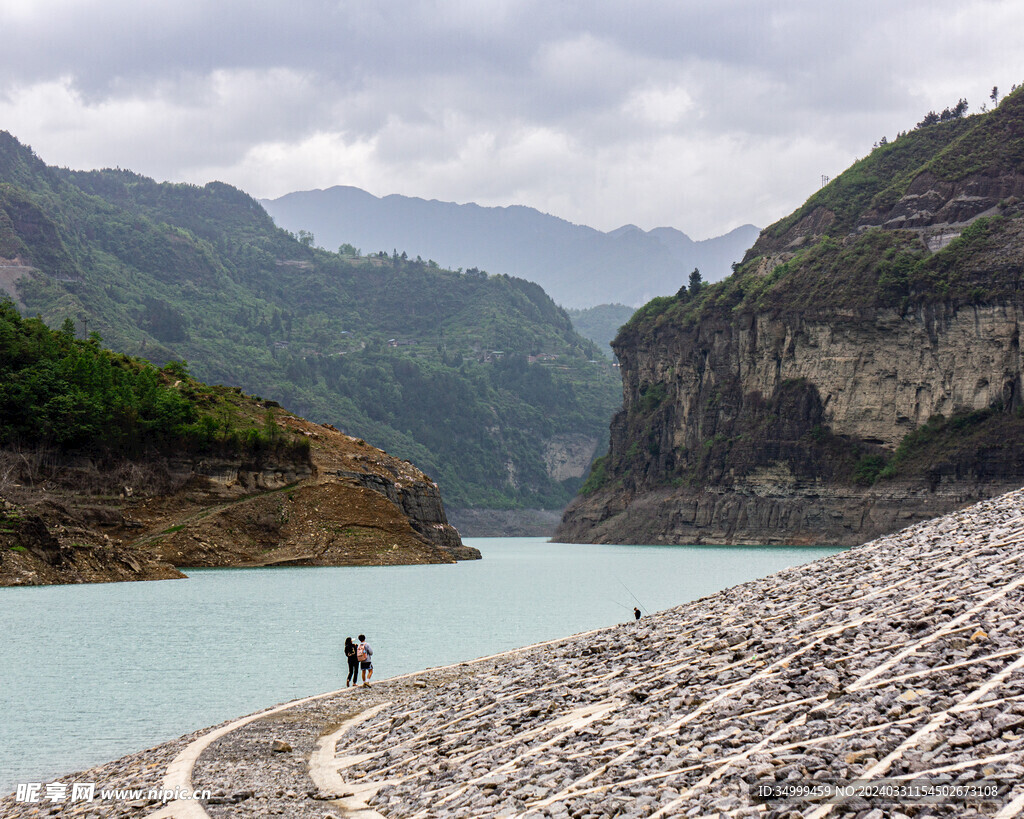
x,y
860,372
877,373
73,520
763,421
569,456
33,552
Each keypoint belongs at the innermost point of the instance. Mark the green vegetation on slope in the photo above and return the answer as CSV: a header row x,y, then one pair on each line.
x,y
980,442
949,151
879,178
848,262
875,268
56,390
467,375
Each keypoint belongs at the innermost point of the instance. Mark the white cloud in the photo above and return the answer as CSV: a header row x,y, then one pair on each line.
x,y
659,106
281,167
702,116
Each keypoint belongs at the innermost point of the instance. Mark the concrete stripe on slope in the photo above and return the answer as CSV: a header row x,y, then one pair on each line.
x,y
179,773
324,770
178,777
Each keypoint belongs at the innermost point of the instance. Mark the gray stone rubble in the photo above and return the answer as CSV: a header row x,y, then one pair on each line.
x,y
899,658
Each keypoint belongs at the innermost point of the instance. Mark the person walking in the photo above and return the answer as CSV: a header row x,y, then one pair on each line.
x,y
363,654
353,663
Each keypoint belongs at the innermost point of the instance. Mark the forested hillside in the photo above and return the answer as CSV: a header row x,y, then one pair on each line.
x,y
601,323
480,380
112,469
76,397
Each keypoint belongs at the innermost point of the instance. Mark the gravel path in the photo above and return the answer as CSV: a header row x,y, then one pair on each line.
x,y
900,660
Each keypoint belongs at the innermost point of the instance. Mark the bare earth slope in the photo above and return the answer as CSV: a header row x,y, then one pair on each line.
x,y
69,521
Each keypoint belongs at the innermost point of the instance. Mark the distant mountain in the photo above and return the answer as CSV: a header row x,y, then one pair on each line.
x,y
578,266
601,323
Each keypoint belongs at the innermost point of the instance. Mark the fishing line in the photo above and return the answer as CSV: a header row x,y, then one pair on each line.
x,y
633,596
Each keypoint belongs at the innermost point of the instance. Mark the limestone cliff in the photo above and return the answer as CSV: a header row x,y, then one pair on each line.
x,y
860,371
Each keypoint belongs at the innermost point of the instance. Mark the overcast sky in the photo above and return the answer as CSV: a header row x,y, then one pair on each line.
x,y
699,115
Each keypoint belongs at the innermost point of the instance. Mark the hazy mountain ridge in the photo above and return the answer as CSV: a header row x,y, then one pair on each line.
x,y
578,266
600,323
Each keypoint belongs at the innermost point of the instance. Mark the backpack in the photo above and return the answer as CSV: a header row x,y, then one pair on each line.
x,y
361,653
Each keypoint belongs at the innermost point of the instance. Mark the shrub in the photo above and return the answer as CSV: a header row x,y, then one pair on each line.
x,y
652,396
867,470
597,478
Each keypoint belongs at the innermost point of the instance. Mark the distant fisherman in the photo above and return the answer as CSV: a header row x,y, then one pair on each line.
x,y
636,612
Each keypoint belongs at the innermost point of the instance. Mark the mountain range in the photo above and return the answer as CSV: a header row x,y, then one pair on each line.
x,y
479,380
577,266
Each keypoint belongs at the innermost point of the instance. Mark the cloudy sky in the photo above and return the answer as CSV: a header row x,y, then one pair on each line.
x,y
699,115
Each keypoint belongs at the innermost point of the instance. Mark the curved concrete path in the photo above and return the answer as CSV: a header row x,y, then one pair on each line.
x,y
179,773
324,764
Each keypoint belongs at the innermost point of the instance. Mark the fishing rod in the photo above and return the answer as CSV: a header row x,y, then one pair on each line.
x,y
633,596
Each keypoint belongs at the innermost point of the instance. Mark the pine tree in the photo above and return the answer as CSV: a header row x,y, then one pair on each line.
x,y
696,282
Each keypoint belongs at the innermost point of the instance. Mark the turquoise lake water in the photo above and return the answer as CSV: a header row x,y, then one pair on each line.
x,y
89,673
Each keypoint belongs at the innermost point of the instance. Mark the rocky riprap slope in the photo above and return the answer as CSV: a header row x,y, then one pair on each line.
x,y
899,659
862,369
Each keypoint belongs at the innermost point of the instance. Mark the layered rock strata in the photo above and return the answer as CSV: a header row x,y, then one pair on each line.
x,y
897,663
505,522
347,503
760,420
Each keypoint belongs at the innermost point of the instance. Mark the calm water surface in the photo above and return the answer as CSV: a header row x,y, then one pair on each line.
x,y
89,673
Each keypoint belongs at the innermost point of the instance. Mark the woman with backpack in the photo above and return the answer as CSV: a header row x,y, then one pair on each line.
x,y
353,663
